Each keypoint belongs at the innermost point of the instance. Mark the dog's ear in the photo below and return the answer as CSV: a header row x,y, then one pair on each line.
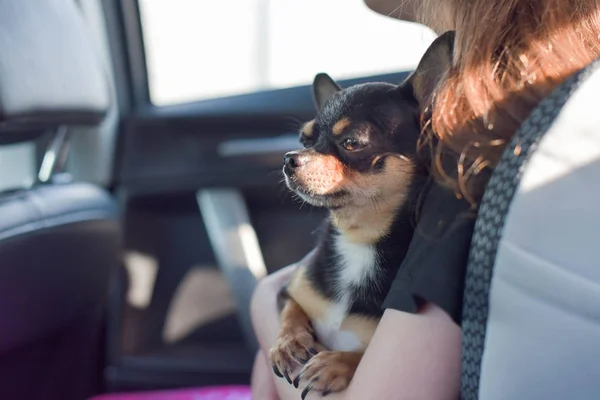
x,y
432,68
323,89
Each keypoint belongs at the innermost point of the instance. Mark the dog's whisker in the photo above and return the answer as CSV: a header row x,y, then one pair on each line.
x,y
275,172
294,123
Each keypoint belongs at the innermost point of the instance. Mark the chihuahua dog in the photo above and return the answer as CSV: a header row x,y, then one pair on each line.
x,y
360,161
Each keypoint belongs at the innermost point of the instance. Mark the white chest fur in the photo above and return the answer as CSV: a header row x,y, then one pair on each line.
x,y
358,263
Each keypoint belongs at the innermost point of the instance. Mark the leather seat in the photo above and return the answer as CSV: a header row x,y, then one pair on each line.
x,y
59,240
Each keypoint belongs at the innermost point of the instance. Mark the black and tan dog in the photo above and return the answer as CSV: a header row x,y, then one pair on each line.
x,y
360,161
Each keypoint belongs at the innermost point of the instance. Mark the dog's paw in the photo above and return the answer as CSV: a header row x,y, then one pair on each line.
x,y
295,346
328,372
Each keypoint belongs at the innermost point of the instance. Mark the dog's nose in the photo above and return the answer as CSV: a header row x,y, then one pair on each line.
x,y
291,160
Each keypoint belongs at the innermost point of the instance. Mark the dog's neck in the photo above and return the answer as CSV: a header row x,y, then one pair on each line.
x,y
367,223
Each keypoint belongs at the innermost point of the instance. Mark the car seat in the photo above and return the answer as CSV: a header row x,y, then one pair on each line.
x,y
531,317
59,240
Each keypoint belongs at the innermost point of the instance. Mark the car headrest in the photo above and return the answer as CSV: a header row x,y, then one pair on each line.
x,y
50,74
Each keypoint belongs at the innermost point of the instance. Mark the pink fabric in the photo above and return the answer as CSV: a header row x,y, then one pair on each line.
x,y
212,393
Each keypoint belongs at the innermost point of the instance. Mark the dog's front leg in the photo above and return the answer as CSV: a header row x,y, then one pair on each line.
x,y
328,372
296,342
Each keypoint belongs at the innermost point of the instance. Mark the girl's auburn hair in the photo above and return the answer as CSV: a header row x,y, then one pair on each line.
x,y
508,55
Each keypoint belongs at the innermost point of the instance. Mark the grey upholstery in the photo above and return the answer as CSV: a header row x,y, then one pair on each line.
x,y
531,318
59,242
49,70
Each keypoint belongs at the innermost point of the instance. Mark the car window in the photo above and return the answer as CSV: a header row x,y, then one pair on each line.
x,y
201,49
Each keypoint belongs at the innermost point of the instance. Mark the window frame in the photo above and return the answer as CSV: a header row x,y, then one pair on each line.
x,y
126,41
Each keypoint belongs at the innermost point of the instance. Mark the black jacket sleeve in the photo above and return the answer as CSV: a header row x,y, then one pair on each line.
x,y
434,268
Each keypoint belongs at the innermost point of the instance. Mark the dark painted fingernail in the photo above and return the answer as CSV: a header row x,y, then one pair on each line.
x,y
276,371
287,377
305,392
313,351
326,393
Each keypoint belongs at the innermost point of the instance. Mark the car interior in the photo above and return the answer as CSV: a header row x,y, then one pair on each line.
x,y
141,199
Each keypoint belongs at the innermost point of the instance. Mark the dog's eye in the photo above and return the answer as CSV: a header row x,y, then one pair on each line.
x,y
352,145
306,142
